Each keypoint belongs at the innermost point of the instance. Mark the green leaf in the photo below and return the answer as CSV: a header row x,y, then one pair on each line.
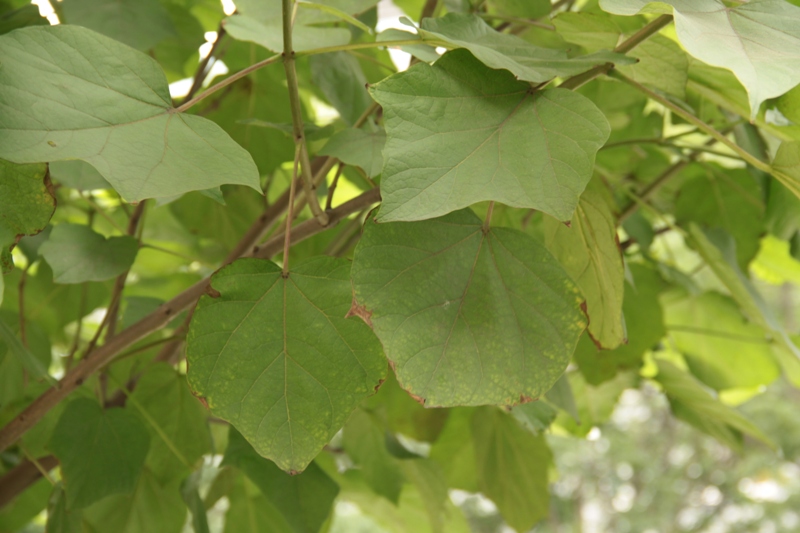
x,y
428,477
78,175
19,18
728,199
251,512
70,93
454,450
342,81
693,404
758,40
182,436
535,416
485,137
787,164
304,501
26,359
593,32
338,13
589,251
191,496
150,508
466,317
26,201
276,357
595,404
720,348
532,9
101,451
365,442
662,65
512,467
359,148
497,50
77,254
60,519
138,23
261,23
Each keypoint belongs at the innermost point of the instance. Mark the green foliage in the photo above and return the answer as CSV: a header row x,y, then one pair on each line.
x,y
558,207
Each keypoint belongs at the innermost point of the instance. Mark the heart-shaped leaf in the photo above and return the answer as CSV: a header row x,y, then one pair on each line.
x,y
460,133
278,359
70,93
467,317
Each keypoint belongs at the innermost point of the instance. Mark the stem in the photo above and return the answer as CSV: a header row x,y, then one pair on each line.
x,y
429,9
21,298
287,237
626,46
202,71
332,188
297,116
488,220
373,44
227,81
653,187
703,126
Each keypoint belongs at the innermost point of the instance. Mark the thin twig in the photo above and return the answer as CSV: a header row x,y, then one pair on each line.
x,y
629,44
488,220
332,188
21,298
287,238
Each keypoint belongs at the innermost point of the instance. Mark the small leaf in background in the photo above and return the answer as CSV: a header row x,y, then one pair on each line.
x,y
60,519
662,65
77,254
261,23
459,133
342,81
589,251
115,439
98,100
497,50
759,40
513,466
26,202
720,347
692,403
593,32
138,23
78,175
151,507
358,148
303,501
365,442
182,436
278,359
461,313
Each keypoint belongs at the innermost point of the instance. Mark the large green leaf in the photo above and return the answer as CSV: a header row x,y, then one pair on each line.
x,y
466,317
303,502
137,23
276,357
721,349
758,40
589,251
592,31
459,133
70,93
115,441
179,434
342,81
77,254
512,468
662,65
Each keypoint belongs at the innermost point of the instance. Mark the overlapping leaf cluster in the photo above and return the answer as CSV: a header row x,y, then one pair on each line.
x,y
573,201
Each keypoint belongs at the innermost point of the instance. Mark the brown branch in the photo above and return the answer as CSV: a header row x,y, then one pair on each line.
x,y
156,320
202,69
23,476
